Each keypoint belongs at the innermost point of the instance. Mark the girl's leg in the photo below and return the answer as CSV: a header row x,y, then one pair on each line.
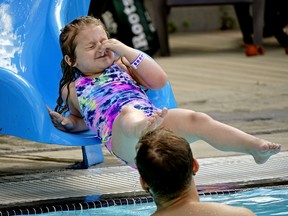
x,y
192,125
129,125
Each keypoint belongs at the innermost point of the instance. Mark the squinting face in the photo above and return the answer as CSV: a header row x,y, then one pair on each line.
x,y
88,58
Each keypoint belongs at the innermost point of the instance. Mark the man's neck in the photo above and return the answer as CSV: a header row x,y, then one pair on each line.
x,y
190,195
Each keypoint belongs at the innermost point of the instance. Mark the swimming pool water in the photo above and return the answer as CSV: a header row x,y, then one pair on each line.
x,y
262,201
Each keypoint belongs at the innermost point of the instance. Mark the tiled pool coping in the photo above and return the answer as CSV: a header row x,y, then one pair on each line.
x,y
73,187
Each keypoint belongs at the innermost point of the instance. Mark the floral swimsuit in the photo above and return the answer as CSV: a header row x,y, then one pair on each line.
x,y
101,100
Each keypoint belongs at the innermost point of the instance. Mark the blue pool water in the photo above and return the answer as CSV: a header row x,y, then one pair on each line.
x,y
262,201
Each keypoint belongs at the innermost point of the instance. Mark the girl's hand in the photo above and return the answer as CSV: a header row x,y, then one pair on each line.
x,y
148,73
115,46
60,122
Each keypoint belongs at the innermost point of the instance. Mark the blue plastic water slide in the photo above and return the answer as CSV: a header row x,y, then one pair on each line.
x,y
30,73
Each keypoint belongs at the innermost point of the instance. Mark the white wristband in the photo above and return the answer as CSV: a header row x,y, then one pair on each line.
x,y
137,61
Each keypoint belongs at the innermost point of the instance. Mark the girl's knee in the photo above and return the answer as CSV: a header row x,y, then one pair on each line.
x,y
129,115
199,117
126,110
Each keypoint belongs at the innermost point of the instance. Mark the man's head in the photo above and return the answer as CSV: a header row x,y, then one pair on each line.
x,y
165,163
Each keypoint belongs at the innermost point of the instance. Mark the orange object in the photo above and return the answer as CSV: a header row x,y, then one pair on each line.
x,y
254,50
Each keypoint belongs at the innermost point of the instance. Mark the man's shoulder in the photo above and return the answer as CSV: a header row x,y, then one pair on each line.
x,y
223,210
205,208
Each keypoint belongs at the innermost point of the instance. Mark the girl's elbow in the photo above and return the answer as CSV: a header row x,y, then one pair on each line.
x,y
160,82
157,82
163,83
163,80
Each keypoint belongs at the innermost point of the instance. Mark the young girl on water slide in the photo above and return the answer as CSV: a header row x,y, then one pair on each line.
x,y
105,94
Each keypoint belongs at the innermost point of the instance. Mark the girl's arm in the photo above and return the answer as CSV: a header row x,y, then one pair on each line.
x,y
148,72
70,123
74,121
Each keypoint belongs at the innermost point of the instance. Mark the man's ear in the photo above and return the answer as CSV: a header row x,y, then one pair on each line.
x,y
144,185
195,166
68,61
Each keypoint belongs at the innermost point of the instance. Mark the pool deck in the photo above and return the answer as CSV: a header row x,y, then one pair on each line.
x,y
209,72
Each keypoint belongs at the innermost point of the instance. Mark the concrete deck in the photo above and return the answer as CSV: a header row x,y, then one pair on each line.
x,y
209,72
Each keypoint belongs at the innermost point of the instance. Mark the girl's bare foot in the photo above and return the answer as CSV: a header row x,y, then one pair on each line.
x,y
267,149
